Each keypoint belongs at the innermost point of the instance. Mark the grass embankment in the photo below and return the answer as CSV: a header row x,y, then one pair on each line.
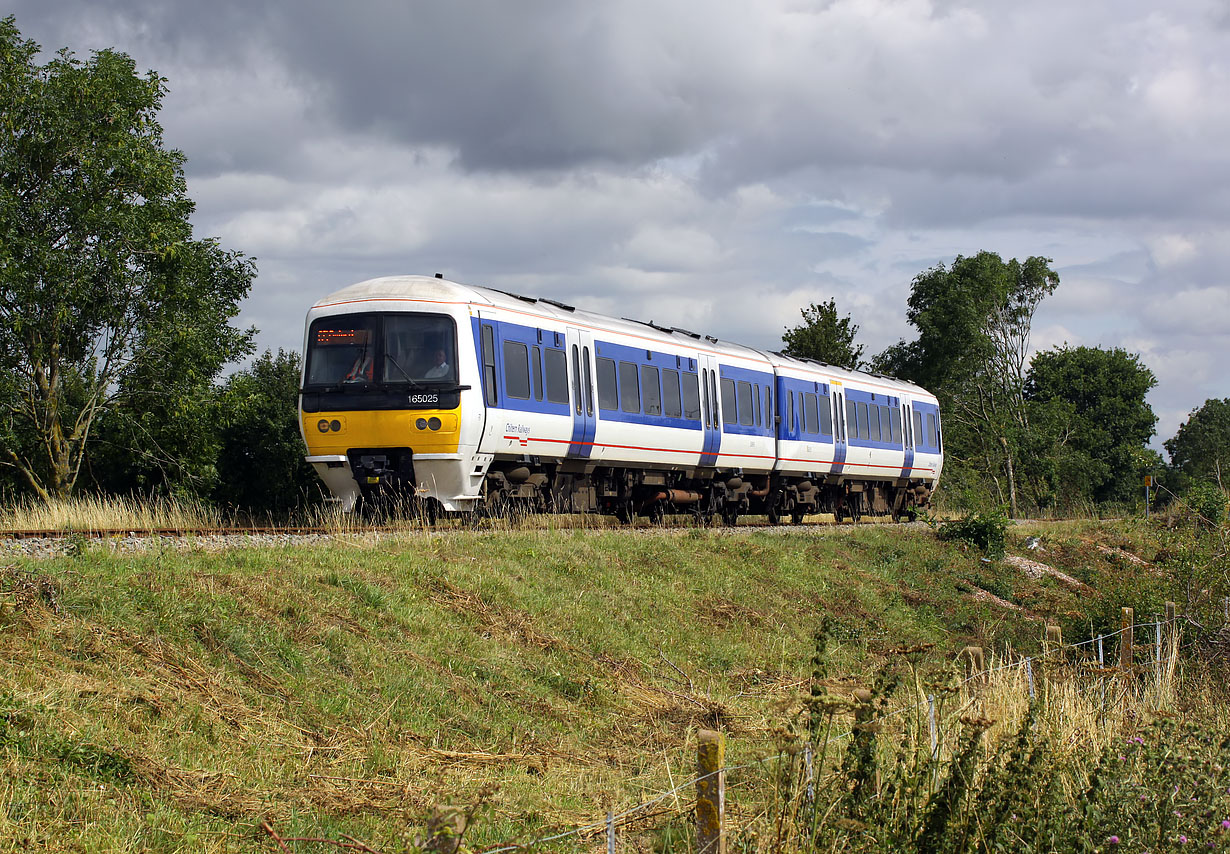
x,y
175,700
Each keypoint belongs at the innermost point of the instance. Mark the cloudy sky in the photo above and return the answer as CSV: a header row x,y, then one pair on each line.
x,y
713,165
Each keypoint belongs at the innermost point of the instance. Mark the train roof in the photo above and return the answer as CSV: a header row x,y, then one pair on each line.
x,y
432,289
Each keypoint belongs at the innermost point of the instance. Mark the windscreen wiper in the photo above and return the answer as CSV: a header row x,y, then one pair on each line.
x,y
413,383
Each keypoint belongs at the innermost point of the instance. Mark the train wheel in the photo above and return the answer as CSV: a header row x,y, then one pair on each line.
x,y
797,514
657,513
730,515
775,516
838,514
623,512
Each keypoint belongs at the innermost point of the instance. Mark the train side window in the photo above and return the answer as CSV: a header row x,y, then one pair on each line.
x,y
608,393
671,404
537,373
557,376
932,439
745,403
918,433
894,425
713,398
863,432
516,370
768,406
851,421
826,416
886,427
873,425
576,378
589,383
489,378
629,389
790,415
651,390
811,415
729,411
691,397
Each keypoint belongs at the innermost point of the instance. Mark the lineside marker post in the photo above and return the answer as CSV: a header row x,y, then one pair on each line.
x,y
710,793
1125,639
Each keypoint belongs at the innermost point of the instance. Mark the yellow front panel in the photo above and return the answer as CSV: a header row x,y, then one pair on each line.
x,y
338,432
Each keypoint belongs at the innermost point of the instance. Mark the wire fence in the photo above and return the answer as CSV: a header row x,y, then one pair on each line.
x,y
1143,656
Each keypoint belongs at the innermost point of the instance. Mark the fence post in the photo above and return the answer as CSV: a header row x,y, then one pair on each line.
x,y
1125,638
975,664
710,793
610,832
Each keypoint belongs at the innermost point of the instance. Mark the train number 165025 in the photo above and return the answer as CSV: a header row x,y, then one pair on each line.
x,y
424,398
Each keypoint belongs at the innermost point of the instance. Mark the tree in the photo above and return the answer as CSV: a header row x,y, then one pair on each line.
x,y
107,303
825,337
1200,450
1090,402
261,466
973,320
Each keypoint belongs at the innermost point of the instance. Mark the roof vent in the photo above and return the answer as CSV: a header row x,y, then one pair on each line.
x,y
439,276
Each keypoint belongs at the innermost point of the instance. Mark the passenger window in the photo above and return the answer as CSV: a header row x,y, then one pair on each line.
x,y
932,439
863,432
713,397
651,390
537,373
918,433
756,393
811,418
576,379
516,370
729,412
745,402
557,376
851,421
608,394
790,414
671,405
629,391
826,416
894,425
768,406
489,364
874,423
691,397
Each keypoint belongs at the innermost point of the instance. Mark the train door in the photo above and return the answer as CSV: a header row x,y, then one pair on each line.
x,y
907,435
709,416
838,396
490,369
584,416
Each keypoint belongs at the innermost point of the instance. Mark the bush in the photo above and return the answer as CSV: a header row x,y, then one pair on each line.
x,y
1207,502
983,530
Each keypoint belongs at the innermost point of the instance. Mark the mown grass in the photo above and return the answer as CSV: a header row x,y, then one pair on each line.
x,y
174,701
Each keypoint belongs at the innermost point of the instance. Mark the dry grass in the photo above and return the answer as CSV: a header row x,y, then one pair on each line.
x,y
109,513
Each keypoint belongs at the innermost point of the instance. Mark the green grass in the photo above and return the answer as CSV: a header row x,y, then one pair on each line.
x,y
178,700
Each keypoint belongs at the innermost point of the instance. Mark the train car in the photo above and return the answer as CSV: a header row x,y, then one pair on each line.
x,y
464,398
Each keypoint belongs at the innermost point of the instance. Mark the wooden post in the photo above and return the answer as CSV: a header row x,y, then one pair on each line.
x,y
1171,611
975,663
1054,639
710,793
1125,638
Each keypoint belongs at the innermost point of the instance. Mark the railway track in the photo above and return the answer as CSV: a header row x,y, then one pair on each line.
x,y
558,522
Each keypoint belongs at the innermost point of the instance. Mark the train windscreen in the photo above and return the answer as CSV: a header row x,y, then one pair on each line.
x,y
384,349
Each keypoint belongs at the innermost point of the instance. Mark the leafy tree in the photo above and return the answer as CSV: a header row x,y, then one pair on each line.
x,y
261,465
973,320
1200,450
1088,404
106,301
825,337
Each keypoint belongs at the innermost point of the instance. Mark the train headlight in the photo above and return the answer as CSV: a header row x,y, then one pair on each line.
x,y
421,424
434,423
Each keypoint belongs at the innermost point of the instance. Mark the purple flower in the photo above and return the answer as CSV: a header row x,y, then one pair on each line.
x,y
1225,825
1182,840
1113,840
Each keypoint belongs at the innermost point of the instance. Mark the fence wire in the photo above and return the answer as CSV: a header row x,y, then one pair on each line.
x,y
1022,664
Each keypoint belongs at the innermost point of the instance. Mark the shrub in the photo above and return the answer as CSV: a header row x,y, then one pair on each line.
x,y
983,530
1207,502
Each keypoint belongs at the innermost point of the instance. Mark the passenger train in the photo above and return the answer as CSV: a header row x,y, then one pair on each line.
x,y
468,399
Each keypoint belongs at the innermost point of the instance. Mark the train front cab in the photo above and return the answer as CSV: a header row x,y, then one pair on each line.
x,y
384,405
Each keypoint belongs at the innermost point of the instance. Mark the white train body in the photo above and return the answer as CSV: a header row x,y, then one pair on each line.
x,y
466,398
